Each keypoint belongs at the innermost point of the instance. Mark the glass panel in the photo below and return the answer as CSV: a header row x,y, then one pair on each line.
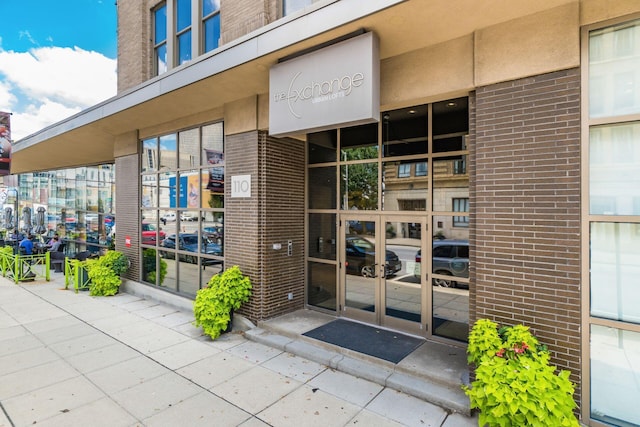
x,y
160,27
403,187
359,186
450,271
450,124
189,189
213,144
290,6
322,146
184,47
614,169
615,376
151,233
168,191
168,220
321,285
360,265
213,229
154,268
149,155
168,154
183,14
189,274
614,61
615,267
149,192
211,33
402,288
359,142
171,277
448,183
405,131
322,236
322,188
210,6
161,59
189,148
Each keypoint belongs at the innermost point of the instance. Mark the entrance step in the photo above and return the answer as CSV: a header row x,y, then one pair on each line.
x,y
434,372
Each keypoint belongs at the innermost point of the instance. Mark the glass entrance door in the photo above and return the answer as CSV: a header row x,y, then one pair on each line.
x,y
360,268
403,290
381,281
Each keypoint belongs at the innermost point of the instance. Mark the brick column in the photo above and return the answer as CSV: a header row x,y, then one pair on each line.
x,y
526,187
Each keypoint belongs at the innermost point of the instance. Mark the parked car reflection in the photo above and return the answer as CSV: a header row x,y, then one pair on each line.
x,y
450,258
151,235
189,242
360,257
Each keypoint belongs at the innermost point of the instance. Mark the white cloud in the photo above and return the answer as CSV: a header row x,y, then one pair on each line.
x,y
48,84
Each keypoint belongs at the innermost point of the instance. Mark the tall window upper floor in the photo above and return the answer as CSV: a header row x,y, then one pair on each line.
x,y
182,30
291,6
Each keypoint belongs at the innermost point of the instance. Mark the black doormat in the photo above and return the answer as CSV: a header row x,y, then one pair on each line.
x,y
380,343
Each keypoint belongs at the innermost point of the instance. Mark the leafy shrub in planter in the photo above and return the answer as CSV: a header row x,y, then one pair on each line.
x,y
515,385
225,292
105,272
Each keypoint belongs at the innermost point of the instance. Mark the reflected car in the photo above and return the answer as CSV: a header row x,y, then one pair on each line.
x,y
189,242
360,258
450,258
151,235
214,233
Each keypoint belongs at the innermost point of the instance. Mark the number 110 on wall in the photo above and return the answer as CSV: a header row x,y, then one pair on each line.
x,y
241,186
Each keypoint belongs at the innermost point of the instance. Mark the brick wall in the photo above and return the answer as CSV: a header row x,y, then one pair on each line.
x,y
133,43
128,212
273,214
526,205
240,17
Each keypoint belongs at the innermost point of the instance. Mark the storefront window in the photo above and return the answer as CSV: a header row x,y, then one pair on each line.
x,y
612,147
77,203
183,232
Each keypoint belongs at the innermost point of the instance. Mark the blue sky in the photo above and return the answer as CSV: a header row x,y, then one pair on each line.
x,y
56,59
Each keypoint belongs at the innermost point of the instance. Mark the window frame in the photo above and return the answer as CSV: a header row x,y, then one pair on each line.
x,y
591,118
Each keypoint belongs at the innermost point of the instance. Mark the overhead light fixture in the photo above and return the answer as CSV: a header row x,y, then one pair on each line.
x,y
451,104
412,111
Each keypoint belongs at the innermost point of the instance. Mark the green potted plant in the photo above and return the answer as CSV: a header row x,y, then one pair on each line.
x,y
214,305
514,383
104,273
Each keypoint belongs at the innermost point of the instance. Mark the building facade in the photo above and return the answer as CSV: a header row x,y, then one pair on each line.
x,y
411,164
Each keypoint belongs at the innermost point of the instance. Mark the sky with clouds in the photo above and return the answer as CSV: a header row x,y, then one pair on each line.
x,y
56,59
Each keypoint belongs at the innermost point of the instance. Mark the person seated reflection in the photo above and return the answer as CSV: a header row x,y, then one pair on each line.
x,y
26,246
54,244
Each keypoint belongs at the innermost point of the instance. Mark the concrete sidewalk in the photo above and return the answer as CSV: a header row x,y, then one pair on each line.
x,y
68,359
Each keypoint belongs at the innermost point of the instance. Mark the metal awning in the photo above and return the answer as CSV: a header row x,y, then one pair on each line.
x,y
241,69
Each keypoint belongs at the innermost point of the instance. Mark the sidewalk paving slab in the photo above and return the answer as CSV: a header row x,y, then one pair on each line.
x,y
70,359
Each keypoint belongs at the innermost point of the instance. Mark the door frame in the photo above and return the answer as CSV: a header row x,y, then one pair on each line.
x,y
353,312
379,316
421,327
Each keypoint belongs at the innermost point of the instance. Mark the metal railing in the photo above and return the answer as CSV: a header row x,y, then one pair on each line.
x,y
25,268
75,273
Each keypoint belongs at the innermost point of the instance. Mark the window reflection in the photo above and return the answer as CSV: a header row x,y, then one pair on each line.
x,y
75,203
404,185
322,146
359,142
404,131
323,195
359,186
188,227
